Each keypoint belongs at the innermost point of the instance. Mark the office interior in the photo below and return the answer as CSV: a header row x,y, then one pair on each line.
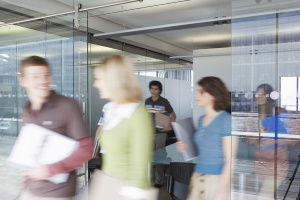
x,y
244,42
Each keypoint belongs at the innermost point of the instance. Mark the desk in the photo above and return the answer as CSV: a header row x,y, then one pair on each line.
x,y
169,154
244,181
255,134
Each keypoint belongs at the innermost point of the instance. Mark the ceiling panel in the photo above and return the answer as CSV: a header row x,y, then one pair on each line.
x,y
154,12
161,12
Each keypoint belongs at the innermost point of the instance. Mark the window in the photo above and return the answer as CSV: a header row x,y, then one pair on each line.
x,y
289,87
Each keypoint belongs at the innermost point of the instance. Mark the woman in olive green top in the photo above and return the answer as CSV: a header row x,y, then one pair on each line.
x,y
127,135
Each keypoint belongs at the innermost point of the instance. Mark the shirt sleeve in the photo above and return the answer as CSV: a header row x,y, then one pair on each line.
x,y
169,108
141,147
270,124
76,128
81,155
226,125
148,103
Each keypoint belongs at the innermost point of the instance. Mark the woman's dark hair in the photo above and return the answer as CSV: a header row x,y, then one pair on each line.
x,y
268,108
268,89
156,83
217,88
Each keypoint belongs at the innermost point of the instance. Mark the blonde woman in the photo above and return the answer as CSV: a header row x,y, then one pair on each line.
x,y
127,135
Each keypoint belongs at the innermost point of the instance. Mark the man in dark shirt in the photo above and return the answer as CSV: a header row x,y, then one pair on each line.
x,y
158,102
59,114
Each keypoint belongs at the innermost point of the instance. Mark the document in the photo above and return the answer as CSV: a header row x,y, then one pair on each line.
x,y
184,131
155,110
37,146
96,150
161,120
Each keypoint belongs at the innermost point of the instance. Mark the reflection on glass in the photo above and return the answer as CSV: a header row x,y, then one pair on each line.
x,y
265,49
56,42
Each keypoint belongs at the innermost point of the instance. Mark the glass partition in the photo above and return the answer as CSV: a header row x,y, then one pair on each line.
x,y
66,50
96,54
265,59
175,77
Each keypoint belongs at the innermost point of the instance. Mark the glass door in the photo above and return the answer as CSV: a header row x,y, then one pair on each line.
x,y
265,69
65,48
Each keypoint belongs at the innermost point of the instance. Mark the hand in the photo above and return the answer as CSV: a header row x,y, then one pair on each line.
x,y
166,128
181,146
39,173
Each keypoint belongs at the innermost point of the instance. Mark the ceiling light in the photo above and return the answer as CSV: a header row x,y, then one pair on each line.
x,y
4,55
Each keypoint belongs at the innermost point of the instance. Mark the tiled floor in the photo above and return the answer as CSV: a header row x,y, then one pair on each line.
x,y
245,184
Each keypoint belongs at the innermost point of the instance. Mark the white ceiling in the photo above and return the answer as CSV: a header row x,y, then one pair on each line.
x,y
161,12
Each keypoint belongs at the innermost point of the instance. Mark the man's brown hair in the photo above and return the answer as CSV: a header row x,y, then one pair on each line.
x,y
217,88
33,61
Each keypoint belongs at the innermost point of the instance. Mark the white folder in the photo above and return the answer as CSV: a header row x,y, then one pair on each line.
x,y
37,146
184,131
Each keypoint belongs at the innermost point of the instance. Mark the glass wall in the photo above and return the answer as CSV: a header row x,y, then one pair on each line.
x,y
66,50
265,70
175,77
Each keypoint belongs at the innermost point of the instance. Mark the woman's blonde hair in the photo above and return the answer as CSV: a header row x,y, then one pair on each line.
x,y
119,77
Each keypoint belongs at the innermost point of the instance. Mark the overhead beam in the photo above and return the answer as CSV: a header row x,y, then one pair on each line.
x,y
166,27
187,25
69,12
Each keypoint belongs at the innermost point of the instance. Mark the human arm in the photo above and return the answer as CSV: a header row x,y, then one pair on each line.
x,y
181,146
229,150
169,127
79,156
172,116
272,141
140,148
76,129
283,127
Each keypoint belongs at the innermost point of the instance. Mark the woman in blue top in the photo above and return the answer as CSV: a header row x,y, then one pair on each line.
x,y
271,161
216,146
